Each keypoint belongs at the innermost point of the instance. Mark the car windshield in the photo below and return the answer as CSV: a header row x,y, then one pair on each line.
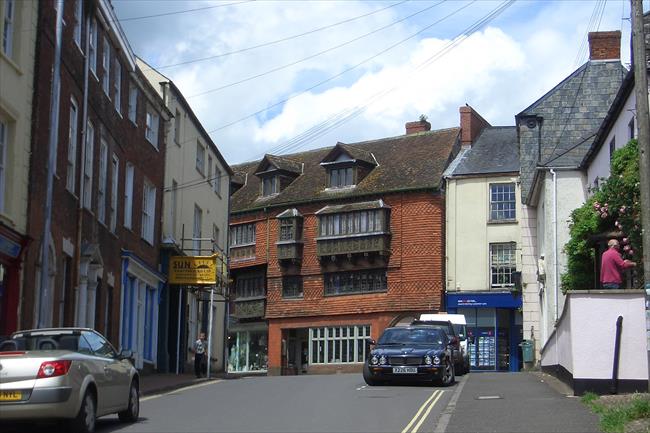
x,y
43,342
413,336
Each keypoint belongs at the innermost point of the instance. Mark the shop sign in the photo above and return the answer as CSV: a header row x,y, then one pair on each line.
x,y
193,270
496,300
9,247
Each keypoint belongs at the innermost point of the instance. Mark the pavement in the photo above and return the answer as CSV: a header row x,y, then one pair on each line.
x,y
157,383
515,402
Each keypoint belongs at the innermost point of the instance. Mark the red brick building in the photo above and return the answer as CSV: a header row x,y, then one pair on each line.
x,y
329,247
108,183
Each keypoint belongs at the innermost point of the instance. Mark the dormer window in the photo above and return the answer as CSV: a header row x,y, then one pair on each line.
x,y
270,186
341,177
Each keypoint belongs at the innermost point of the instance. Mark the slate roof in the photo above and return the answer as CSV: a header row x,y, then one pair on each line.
x,y
495,150
572,113
281,163
406,162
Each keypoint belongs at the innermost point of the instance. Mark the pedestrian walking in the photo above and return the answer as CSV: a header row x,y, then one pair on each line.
x,y
199,354
613,265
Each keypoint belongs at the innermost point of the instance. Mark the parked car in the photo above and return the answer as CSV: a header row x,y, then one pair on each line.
x,y
420,353
70,374
454,340
459,323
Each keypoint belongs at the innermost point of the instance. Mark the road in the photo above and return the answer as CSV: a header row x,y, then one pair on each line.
x,y
329,403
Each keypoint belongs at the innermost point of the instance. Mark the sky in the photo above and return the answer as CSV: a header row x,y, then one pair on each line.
x,y
287,76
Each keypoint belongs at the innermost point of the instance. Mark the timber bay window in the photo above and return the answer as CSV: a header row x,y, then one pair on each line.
x,y
355,282
502,202
148,212
338,345
250,286
290,235
242,241
351,223
503,263
292,286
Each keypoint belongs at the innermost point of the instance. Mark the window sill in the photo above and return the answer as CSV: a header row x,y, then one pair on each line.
x,y
243,245
496,222
11,63
328,295
354,235
293,298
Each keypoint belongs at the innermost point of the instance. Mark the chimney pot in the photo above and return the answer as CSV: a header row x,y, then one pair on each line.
x,y
605,45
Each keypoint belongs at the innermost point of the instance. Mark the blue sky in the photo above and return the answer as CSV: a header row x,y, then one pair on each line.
x,y
499,69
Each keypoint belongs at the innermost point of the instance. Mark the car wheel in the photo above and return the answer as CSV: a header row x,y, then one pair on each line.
x,y
448,374
367,376
132,412
85,420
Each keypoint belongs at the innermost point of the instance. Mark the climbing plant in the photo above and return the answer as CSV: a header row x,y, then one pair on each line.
x,y
613,206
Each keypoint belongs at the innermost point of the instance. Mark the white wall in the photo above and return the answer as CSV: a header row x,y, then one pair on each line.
x,y
586,334
599,166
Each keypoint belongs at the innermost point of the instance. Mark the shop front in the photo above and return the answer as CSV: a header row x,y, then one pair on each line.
x,y
12,247
248,348
494,328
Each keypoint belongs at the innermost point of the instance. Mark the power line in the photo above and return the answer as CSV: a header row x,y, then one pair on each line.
x,y
348,42
596,16
266,44
164,14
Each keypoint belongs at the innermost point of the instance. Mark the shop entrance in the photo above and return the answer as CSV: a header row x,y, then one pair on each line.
x,y
295,351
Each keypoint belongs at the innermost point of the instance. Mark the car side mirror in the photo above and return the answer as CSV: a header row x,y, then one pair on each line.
x,y
126,354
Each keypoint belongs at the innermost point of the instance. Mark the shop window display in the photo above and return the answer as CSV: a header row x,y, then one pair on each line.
x,y
248,351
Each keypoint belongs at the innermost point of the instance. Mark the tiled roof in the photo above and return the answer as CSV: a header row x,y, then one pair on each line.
x,y
281,163
496,150
571,115
406,162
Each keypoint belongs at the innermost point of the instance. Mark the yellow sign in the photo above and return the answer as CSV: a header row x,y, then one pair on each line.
x,y
193,270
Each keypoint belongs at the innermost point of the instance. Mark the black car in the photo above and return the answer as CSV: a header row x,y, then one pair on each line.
x,y
461,365
420,353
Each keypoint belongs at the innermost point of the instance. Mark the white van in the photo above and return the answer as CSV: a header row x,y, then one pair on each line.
x,y
460,326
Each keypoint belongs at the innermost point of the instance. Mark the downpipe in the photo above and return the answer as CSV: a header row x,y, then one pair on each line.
x,y
617,354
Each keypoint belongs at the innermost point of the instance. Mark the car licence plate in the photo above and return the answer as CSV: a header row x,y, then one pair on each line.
x,y
405,370
10,395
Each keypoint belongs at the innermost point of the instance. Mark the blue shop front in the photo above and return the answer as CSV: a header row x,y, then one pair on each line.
x,y
494,328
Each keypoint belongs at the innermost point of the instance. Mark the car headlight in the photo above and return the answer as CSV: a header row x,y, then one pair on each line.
x,y
382,359
428,360
436,360
374,360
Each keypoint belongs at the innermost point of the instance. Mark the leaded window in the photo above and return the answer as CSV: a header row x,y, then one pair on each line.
x,y
503,263
341,177
339,344
243,234
350,223
367,281
502,202
250,286
292,287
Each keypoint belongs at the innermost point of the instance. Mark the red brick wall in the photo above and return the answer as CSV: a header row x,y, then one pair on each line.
x,y
605,45
124,139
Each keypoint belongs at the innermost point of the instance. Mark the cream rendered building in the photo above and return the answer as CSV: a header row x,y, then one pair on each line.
x,y
195,222
18,21
484,250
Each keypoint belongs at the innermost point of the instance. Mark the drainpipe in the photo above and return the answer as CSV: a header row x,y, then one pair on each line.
x,y
43,306
84,122
555,260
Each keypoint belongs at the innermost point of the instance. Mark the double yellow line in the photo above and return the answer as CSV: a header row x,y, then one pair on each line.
x,y
423,412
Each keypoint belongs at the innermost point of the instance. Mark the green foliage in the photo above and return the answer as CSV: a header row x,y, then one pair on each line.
x,y
614,206
589,397
615,415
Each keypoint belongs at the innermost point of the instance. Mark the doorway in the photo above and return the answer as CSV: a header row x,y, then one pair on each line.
x,y
295,351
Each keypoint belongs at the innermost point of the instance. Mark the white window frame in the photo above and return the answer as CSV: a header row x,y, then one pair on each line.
x,y
129,174
93,46
322,338
88,166
106,64
4,143
115,172
117,86
148,211
78,17
197,229
133,103
200,158
9,15
501,267
71,174
151,129
101,187
500,213
217,180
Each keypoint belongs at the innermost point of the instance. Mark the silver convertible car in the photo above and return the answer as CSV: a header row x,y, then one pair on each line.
x,y
70,374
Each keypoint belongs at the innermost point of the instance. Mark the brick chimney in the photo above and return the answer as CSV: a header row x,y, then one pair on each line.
x,y
421,125
605,45
471,125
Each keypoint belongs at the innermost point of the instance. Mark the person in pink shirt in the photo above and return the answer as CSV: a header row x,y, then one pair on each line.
x,y
612,266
